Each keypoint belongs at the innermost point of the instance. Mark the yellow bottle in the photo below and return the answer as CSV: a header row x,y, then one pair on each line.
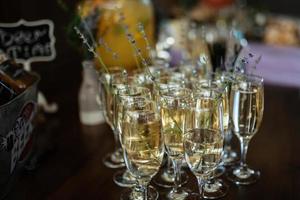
x,y
112,32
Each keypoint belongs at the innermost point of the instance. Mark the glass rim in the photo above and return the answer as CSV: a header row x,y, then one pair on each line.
x,y
139,99
217,98
126,87
166,91
206,85
165,80
111,71
250,77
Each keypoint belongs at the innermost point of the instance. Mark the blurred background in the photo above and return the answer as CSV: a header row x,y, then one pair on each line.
x,y
66,66
183,32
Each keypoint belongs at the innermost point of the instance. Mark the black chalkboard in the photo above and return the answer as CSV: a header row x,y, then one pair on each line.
x,y
27,42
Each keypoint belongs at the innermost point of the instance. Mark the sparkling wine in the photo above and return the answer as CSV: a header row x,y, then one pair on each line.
x,y
225,102
203,150
128,97
142,143
173,123
106,82
247,106
207,112
129,104
211,91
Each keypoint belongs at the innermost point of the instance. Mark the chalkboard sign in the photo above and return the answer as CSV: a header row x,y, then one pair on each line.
x,y
27,42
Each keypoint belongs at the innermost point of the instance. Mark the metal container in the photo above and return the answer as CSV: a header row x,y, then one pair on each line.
x,y
16,138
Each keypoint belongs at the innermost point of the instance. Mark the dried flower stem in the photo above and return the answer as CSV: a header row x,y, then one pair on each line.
x,y
138,52
126,29
103,44
90,48
88,31
144,35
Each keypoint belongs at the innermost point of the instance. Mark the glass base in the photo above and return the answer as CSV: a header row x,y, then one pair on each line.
x,y
129,194
215,189
243,175
179,194
230,157
165,179
123,178
114,160
219,171
194,196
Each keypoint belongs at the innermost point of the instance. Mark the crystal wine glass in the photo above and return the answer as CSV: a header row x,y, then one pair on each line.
x,y
126,95
106,80
230,156
166,177
174,106
203,136
223,80
207,89
164,78
143,147
247,106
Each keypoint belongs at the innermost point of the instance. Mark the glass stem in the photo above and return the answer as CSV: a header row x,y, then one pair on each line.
x,y
169,169
211,177
116,138
244,149
200,185
177,166
143,188
228,137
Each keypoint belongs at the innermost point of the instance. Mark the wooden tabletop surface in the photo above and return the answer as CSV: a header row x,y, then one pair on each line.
x,y
70,165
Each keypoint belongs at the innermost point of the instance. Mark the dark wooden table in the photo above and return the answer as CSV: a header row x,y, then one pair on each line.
x,y
70,165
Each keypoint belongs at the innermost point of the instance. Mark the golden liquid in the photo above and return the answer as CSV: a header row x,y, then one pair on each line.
x,y
206,114
173,125
225,104
142,143
129,104
107,92
211,93
203,150
129,98
247,105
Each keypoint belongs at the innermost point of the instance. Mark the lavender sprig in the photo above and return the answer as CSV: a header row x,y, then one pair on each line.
x,y
144,35
138,52
126,29
247,60
87,29
90,48
103,44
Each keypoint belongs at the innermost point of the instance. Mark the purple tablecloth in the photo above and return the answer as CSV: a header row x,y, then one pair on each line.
x,y
279,65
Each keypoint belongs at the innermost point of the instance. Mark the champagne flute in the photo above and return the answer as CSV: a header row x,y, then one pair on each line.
x,y
143,147
247,106
166,177
223,80
161,74
230,156
126,94
106,80
174,105
208,89
203,136
164,78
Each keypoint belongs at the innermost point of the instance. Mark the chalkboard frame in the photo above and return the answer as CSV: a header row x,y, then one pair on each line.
x,y
26,62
